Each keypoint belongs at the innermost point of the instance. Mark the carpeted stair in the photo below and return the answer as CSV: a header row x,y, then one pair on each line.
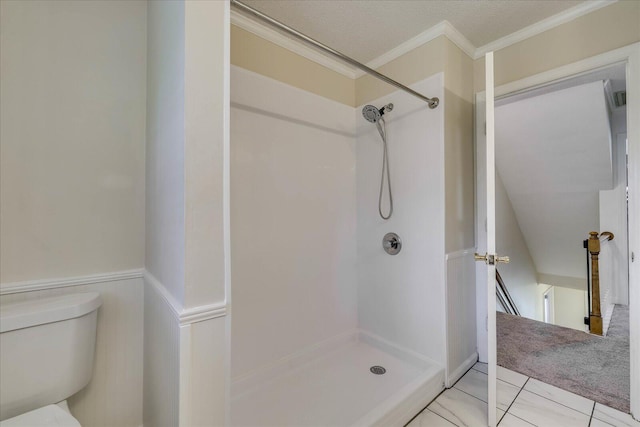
x,y
588,365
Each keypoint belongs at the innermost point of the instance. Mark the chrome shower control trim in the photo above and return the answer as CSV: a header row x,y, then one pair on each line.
x,y
391,243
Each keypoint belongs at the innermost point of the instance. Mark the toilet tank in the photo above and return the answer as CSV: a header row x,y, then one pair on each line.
x,y
46,350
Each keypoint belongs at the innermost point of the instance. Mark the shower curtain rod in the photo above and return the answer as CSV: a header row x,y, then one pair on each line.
x,y
433,102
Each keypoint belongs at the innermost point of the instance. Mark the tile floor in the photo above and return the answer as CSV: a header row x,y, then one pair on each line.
x,y
522,402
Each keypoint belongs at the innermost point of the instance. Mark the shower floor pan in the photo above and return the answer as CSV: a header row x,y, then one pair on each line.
x,y
332,385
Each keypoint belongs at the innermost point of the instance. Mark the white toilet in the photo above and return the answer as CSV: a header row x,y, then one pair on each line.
x,y
46,356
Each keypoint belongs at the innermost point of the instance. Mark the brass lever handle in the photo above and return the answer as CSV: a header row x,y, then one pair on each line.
x,y
479,257
491,259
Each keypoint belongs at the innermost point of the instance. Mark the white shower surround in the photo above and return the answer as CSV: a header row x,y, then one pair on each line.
x,y
402,298
293,221
310,281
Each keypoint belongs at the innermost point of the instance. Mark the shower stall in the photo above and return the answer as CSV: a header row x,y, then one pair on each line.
x,y
327,328
339,269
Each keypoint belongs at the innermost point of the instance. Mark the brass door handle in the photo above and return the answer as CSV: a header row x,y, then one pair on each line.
x,y
491,259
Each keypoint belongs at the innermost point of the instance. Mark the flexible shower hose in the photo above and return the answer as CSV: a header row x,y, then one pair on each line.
x,y
385,166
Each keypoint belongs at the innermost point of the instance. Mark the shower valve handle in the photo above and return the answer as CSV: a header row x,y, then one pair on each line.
x,y
391,243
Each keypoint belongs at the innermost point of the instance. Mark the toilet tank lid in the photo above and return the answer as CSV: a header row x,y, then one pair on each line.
x,y
24,314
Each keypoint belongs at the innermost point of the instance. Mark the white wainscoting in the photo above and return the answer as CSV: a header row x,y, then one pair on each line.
x,y
161,359
461,314
185,360
114,395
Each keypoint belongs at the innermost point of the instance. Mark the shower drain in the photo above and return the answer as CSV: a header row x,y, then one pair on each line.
x,y
378,370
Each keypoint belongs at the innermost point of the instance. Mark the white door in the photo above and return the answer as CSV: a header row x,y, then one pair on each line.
x,y
486,238
485,276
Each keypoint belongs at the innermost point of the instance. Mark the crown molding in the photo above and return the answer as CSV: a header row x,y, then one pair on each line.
x,y
294,46
443,28
542,26
458,39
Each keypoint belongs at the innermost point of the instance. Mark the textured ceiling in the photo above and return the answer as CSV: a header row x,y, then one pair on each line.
x,y
366,29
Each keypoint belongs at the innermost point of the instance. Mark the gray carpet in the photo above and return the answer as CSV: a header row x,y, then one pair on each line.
x,y
619,325
588,365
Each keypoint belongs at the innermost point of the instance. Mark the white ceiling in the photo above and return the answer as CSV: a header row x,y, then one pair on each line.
x,y
553,153
366,29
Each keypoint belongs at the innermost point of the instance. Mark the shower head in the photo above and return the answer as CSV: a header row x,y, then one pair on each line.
x,y
372,114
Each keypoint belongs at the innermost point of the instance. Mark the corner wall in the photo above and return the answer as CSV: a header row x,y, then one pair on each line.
x,y
165,228
410,68
459,149
187,277
165,174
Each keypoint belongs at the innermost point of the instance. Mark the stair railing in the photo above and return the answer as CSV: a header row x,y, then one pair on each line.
x,y
504,298
592,245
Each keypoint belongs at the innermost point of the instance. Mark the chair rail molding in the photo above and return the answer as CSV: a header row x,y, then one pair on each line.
x,y
43,284
187,316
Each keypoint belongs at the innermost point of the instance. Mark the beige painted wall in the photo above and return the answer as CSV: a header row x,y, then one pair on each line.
x,y
569,307
72,108
605,29
72,113
261,56
459,161
412,67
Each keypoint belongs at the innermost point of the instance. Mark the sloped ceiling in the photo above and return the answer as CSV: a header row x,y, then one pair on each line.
x,y
553,153
366,29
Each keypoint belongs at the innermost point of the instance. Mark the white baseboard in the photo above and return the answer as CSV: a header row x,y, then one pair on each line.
x,y
454,376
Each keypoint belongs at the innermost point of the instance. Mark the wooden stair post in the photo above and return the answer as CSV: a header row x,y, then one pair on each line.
x,y
595,317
